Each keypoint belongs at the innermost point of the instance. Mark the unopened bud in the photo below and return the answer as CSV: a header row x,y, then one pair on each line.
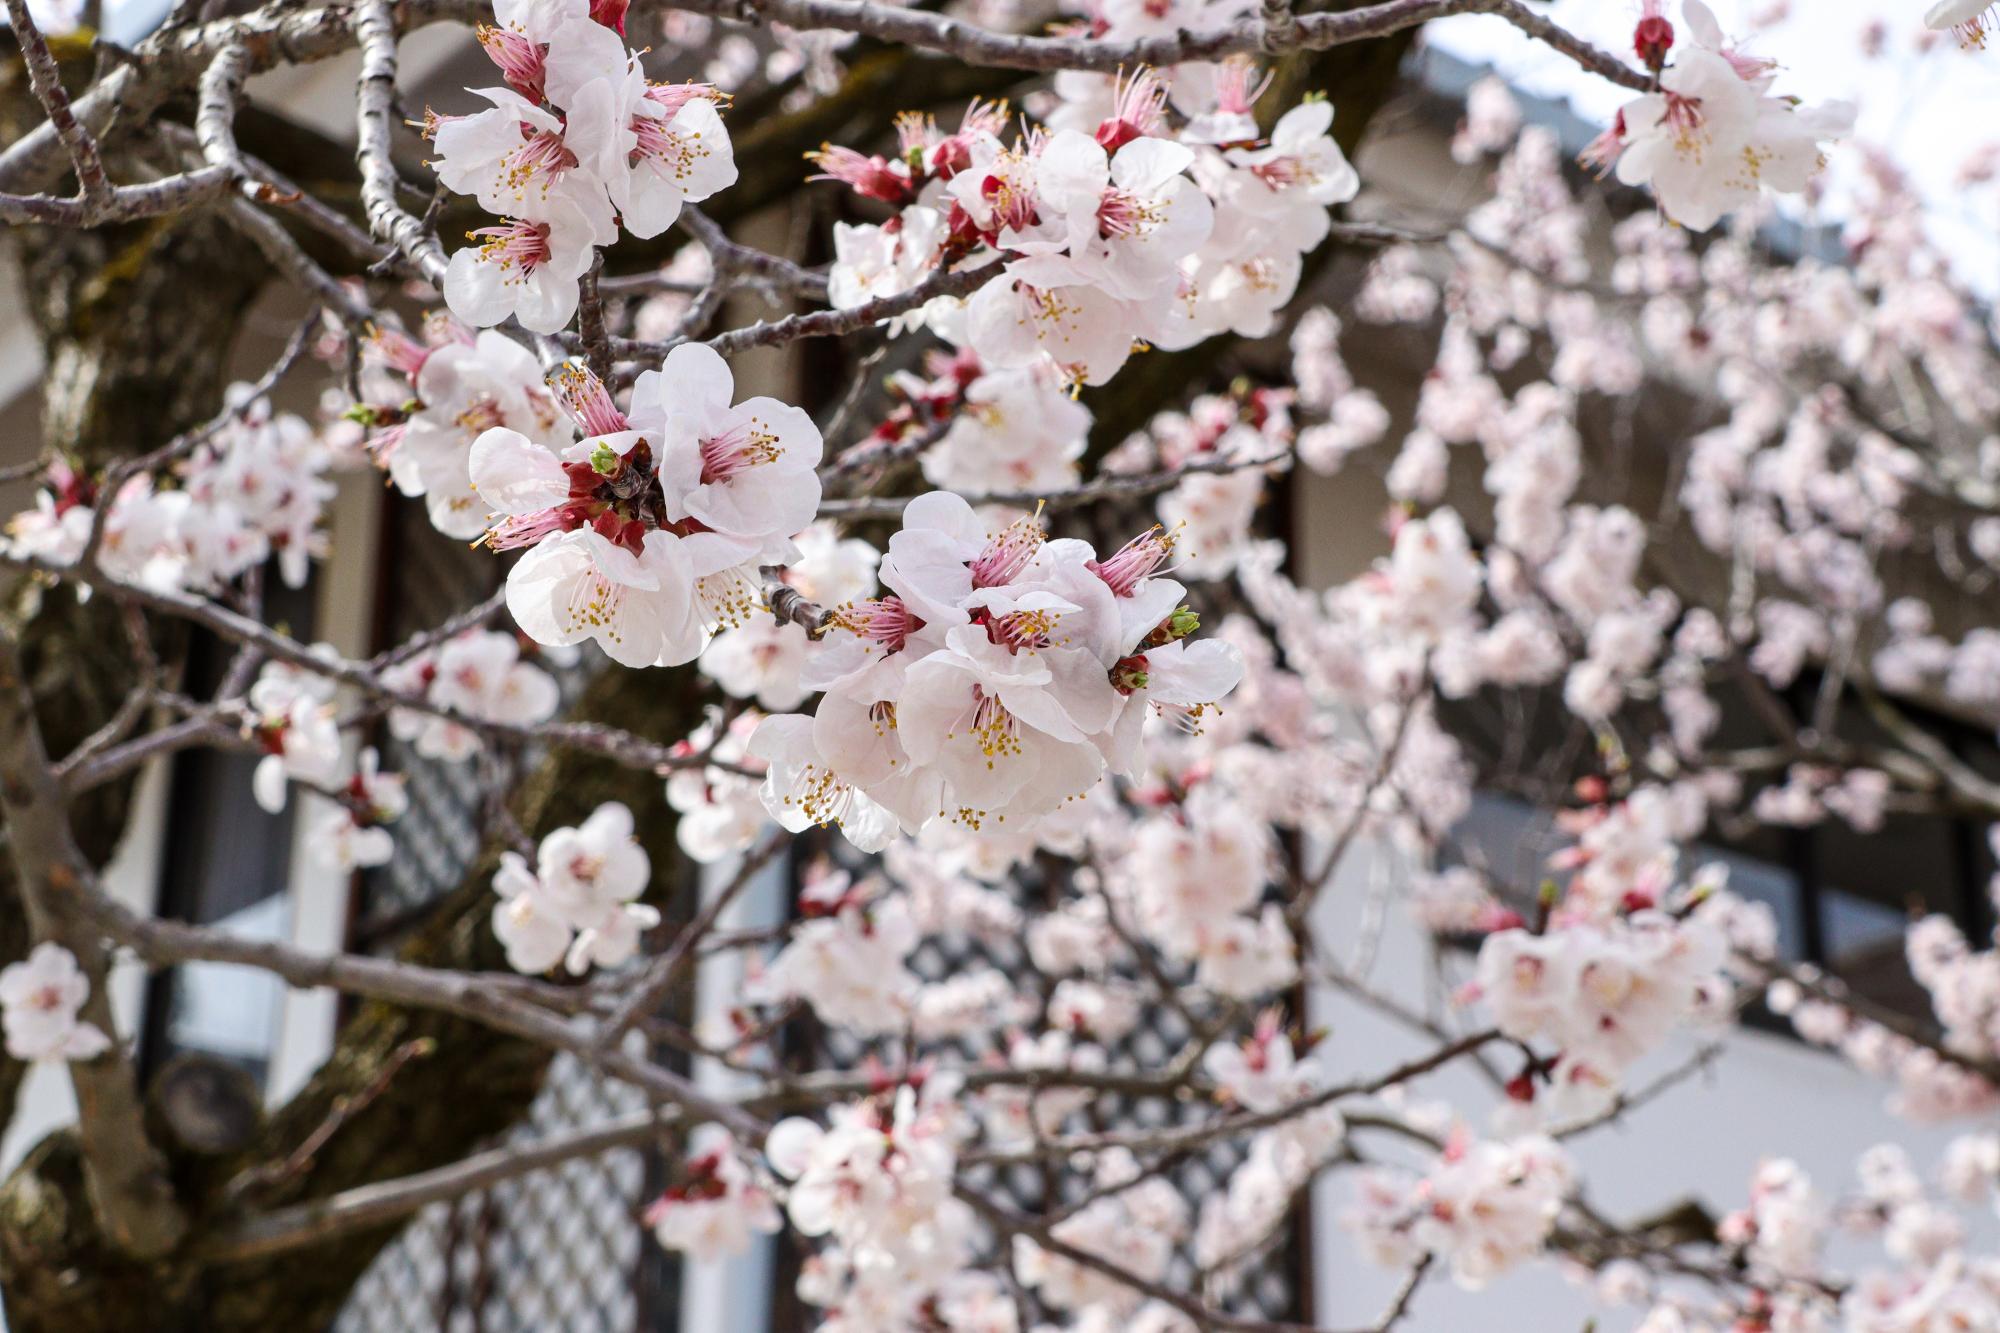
x,y
375,416
1651,40
1129,675
604,459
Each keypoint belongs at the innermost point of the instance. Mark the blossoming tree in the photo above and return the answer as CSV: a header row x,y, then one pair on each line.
x,y
992,640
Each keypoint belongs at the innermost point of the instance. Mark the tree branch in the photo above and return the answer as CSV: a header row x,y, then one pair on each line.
x,y
129,1186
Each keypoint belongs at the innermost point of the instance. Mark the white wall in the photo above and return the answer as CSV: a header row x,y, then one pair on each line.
x,y
731,1294
1766,1096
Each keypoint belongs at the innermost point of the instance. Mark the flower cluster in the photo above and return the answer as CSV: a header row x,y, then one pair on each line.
x,y
250,491
1603,991
763,658
720,811
1714,138
1195,883
997,681
1265,1074
845,958
1135,1223
1228,445
351,836
576,907
1120,222
1483,1206
1788,1232
876,1184
577,145
39,1000
292,719
719,1203
1013,431
1963,986
646,534
478,675
428,400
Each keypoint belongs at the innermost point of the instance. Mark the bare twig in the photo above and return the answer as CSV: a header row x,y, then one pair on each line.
x,y
215,113
464,994
372,1205
45,77
1131,487
790,606
664,971
593,332
268,1175
825,323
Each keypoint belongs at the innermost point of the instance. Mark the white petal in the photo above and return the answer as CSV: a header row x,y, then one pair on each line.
x,y
515,475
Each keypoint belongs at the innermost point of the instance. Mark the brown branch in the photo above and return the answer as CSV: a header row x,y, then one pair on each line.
x,y
124,203
463,994
823,323
1180,1138
1314,32
367,1206
593,334
1093,492
1010,1222
617,744
215,112
739,258
300,1160
663,972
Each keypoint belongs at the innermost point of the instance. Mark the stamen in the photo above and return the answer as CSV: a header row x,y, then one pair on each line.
x,y
514,244
886,620
1019,631
1007,553
587,401
1135,561
1122,214
542,156
395,349
996,730
1138,110
736,451
521,61
869,177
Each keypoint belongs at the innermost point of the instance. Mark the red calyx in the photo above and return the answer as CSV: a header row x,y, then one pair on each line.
x,y
1652,39
611,13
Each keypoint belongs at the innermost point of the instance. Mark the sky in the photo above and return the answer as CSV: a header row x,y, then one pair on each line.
x,y
1929,109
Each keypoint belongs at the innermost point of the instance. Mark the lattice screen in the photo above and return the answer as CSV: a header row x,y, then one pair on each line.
x,y
562,1249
